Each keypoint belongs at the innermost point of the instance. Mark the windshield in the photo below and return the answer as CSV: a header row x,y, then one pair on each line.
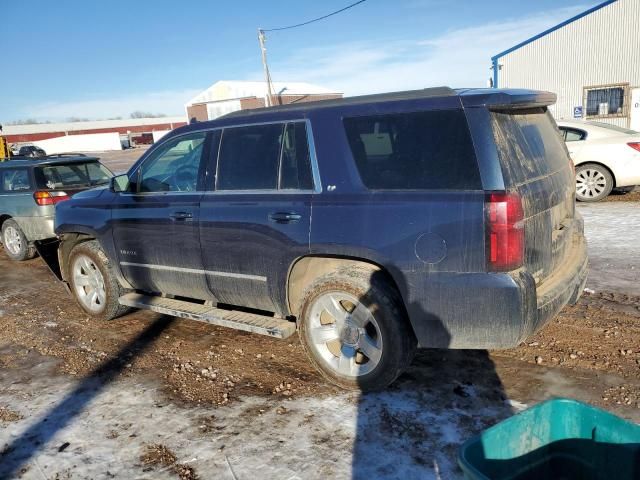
x,y
77,175
615,128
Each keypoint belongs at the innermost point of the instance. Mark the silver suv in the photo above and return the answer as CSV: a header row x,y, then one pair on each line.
x,y
29,191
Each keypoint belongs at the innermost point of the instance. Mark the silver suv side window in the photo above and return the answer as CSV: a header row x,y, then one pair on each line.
x,y
174,167
15,180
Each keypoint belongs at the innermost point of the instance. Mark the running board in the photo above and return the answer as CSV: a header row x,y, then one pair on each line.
x,y
248,322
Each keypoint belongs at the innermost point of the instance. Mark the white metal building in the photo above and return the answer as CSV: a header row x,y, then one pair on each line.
x,y
226,96
591,61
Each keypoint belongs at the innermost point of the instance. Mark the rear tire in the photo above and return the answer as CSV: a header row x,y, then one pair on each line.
x,y
593,182
354,329
15,242
93,282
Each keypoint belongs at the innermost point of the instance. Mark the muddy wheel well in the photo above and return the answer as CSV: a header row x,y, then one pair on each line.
x,y
3,218
70,240
603,166
307,269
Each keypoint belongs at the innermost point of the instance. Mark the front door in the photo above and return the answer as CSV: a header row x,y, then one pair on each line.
x,y
155,224
256,222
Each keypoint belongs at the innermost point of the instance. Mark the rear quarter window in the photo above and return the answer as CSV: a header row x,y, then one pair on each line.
x,y
15,180
528,144
88,174
428,150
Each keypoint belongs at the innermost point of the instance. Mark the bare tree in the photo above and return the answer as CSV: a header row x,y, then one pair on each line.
x,y
140,114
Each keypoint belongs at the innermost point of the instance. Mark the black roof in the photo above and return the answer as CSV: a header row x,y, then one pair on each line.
x,y
493,98
357,100
62,159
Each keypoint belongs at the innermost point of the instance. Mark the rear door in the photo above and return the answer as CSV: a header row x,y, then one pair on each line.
x,y
536,165
256,222
155,224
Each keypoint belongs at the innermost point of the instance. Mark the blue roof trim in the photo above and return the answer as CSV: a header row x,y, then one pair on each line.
x,y
553,29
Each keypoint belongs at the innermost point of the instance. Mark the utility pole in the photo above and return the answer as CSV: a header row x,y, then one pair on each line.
x,y
267,76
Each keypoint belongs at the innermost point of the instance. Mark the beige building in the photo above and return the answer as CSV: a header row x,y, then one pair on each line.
x,y
229,96
591,61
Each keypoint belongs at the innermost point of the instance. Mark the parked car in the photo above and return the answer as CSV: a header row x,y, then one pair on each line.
x,y
434,218
29,191
30,151
605,157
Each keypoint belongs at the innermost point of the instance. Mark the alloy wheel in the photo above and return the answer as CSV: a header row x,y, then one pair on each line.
x,y
12,240
344,334
88,283
590,183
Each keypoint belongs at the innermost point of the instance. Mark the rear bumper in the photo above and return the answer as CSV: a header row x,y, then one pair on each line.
x,y
36,228
565,287
487,310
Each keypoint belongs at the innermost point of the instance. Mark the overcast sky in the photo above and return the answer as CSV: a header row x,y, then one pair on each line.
x,y
75,58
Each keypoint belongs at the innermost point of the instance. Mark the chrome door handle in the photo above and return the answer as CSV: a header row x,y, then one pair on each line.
x,y
181,216
284,217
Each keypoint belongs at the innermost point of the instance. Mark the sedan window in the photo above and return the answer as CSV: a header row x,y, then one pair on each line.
x,y
574,135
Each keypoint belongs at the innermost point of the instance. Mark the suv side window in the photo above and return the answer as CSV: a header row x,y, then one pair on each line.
x,y
174,167
295,164
15,180
248,158
414,151
265,157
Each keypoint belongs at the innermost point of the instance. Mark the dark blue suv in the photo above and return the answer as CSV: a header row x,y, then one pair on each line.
x,y
371,225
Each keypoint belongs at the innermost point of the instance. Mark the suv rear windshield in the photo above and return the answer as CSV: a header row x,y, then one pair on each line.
x,y
414,151
89,174
528,144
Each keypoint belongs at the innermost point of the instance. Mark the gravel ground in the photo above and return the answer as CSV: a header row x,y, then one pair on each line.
x,y
148,396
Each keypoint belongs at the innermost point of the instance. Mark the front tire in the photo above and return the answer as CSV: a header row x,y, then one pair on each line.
x,y
15,242
593,182
93,282
354,329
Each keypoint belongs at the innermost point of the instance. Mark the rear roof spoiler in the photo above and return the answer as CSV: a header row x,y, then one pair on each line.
x,y
505,98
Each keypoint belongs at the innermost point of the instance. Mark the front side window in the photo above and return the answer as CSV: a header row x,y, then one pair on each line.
x,y
174,167
265,157
15,180
414,151
606,101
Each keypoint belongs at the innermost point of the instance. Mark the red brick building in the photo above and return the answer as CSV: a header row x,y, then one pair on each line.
x,y
134,127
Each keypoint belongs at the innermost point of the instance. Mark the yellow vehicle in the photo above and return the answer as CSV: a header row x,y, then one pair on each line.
x,y
5,152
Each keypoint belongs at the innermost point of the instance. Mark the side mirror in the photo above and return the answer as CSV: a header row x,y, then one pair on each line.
x,y
119,183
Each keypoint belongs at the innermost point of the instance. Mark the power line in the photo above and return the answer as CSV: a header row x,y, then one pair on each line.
x,y
315,19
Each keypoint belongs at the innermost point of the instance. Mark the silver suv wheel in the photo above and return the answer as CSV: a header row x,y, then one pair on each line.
x,y
12,240
88,283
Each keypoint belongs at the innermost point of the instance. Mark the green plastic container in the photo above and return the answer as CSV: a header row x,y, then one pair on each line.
x,y
559,439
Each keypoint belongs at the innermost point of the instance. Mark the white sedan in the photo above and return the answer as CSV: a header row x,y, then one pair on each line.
x,y
605,156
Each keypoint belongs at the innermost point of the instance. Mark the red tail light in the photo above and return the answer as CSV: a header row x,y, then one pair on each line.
x,y
43,198
634,145
505,232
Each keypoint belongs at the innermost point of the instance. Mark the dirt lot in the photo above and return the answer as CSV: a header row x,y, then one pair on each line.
x,y
148,396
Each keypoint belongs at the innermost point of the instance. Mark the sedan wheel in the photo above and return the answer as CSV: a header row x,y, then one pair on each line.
x,y
593,183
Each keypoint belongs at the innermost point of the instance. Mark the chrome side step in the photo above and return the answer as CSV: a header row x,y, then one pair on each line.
x,y
248,322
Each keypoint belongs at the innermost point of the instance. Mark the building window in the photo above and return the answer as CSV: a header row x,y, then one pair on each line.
x,y
607,100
